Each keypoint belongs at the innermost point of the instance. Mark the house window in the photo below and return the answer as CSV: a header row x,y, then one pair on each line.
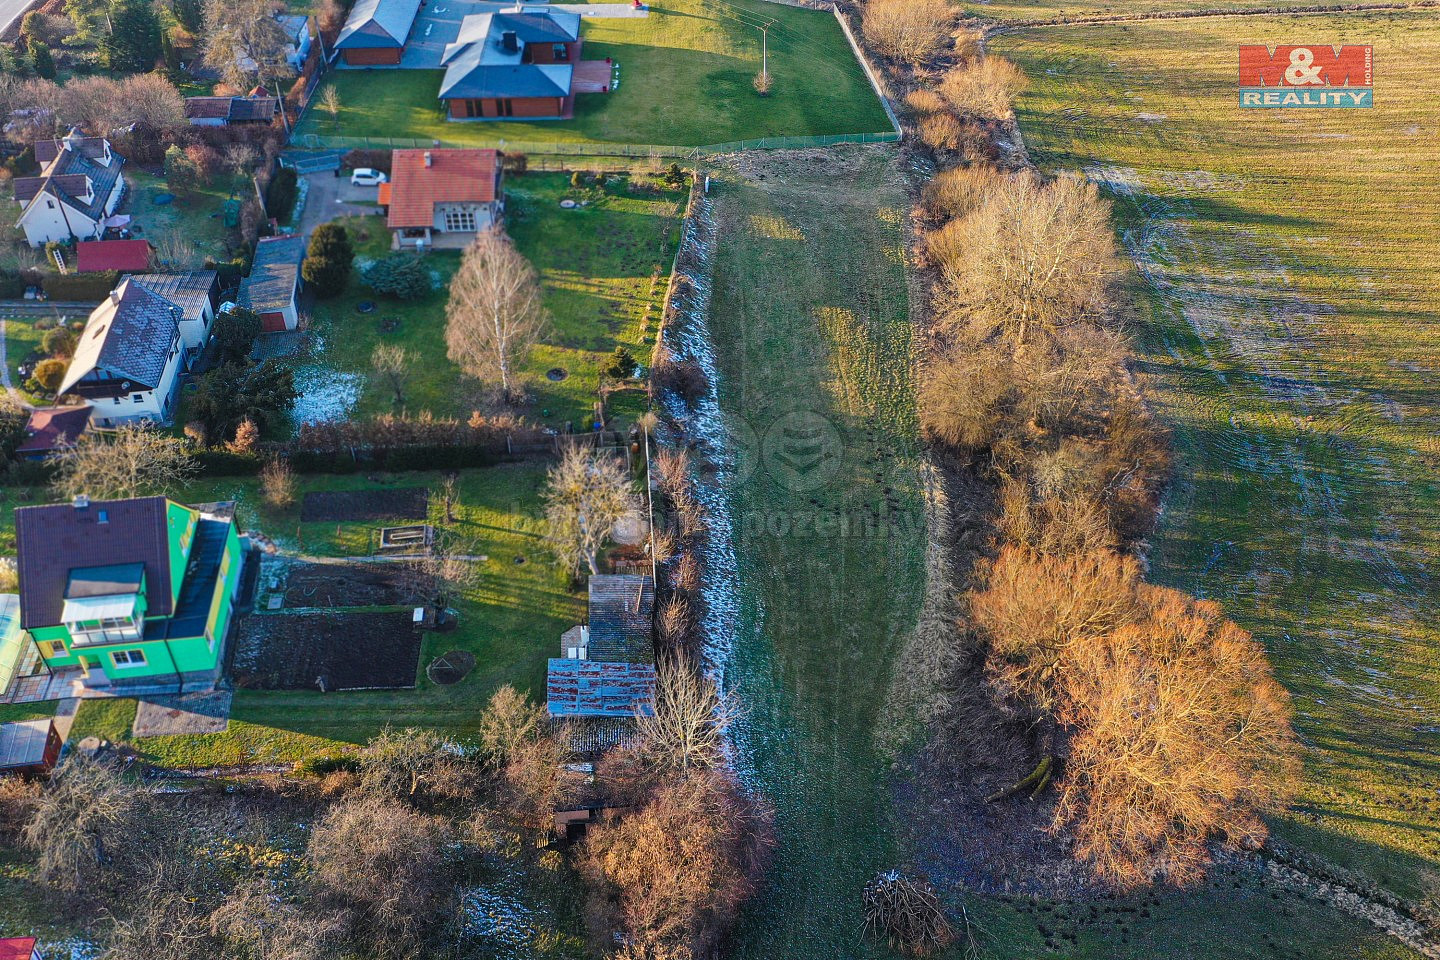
x,y
52,648
138,398
458,220
504,107
128,658
561,53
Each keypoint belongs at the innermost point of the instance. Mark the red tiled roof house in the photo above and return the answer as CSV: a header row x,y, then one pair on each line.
x,y
442,198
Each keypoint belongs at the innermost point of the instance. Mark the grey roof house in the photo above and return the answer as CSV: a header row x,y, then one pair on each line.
x,y
274,282
128,360
80,185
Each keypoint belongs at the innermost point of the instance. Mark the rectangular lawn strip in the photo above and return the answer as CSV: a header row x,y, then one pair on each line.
x,y
810,319
197,214
603,267
22,344
685,79
511,621
15,712
1287,289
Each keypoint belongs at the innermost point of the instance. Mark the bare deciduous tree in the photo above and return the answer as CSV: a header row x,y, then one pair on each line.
x,y
687,726
1037,609
135,461
330,102
385,862
244,43
175,250
152,101
986,87
1032,256
392,361
673,873
254,921
88,820
495,314
412,762
277,483
439,576
1183,735
587,494
913,31
509,720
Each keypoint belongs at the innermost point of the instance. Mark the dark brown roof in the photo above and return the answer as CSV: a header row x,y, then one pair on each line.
x,y
52,540
622,609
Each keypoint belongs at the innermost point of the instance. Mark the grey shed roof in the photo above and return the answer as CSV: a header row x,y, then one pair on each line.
x,y
622,611
191,292
22,743
127,337
275,274
378,24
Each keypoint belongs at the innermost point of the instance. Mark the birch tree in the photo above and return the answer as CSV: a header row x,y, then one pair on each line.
x,y
495,315
587,494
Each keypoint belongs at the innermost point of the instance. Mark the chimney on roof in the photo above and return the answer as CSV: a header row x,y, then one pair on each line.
x,y
427,158
509,41
81,501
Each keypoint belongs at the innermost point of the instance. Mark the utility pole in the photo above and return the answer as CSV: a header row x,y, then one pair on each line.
x,y
765,51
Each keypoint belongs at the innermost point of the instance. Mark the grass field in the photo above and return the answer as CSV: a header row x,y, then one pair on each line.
x,y
511,621
686,72
1287,270
810,317
1010,10
604,268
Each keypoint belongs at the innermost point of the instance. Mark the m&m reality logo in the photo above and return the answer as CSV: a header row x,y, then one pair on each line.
x,y
1314,75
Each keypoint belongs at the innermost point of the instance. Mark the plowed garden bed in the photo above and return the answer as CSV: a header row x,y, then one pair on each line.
x,y
338,506
346,584
350,651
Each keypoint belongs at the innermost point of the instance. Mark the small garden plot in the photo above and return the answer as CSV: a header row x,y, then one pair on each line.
x,y
341,651
346,585
338,506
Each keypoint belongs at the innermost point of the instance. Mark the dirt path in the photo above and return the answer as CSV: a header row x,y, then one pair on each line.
x,y
810,316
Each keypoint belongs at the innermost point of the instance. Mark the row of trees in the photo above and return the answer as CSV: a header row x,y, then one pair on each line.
x,y
1157,720
394,830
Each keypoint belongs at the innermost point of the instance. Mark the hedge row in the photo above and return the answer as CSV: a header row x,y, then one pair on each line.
x,y
80,286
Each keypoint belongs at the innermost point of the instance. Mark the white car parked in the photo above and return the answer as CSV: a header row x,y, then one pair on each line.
x,y
366,177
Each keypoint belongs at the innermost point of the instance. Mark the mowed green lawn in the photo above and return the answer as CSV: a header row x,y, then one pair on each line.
x,y
1288,277
604,267
511,621
811,323
685,80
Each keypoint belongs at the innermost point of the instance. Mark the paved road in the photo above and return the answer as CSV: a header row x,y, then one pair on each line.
x,y
12,10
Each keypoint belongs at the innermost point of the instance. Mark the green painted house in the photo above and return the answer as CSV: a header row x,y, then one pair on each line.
x,y
133,596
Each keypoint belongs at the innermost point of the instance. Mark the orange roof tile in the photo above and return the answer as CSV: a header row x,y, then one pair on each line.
x,y
383,197
454,176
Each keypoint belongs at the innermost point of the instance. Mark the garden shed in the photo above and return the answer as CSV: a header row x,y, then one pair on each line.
x,y
29,747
